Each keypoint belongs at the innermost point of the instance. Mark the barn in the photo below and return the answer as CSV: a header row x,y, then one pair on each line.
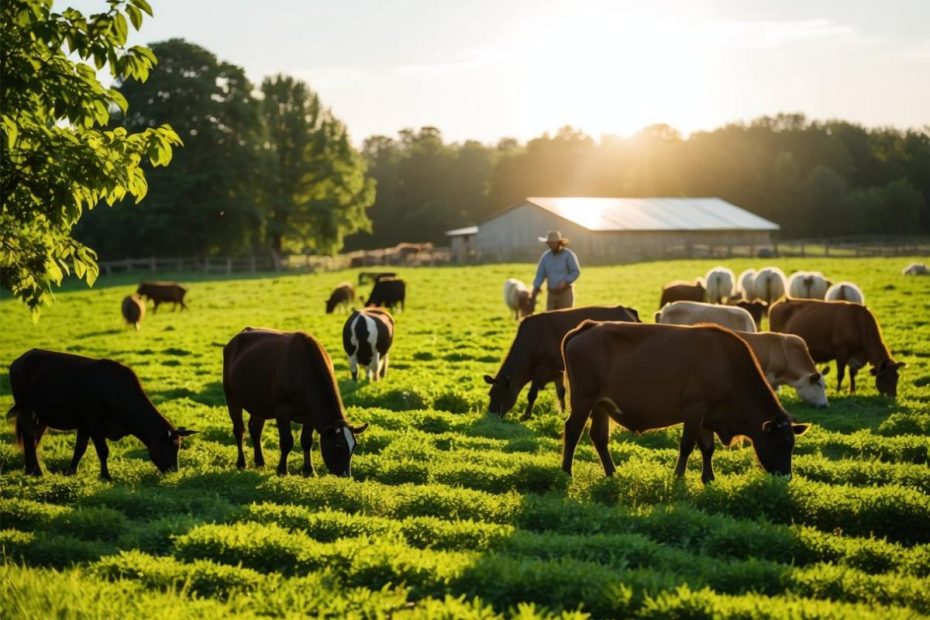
x,y
613,229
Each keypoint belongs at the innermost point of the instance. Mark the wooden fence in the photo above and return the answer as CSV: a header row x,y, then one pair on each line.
x,y
846,247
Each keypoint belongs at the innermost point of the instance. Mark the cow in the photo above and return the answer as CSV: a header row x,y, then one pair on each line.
x,y
693,312
342,295
769,285
518,298
99,398
843,331
388,292
288,377
682,291
845,291
133,308
785,360
366,337
744,288
807,285
916,269
720,285
163,292
756,310
653,376
374,276
535,355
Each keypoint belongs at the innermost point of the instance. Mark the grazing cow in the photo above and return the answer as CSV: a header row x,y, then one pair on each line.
x,y
374,276
807,285
744,288
842,331
288,377
720,285
518,298
342,295
653,376
163,292
756,310
366,338
694,312
99,398
785,360
388,292
916,269
769,285
535,355
845,291
682,291
133,310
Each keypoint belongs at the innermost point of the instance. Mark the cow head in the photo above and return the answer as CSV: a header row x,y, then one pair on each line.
x,y
330,305
337,443
164,449
813,389
503,394
774,443
886,377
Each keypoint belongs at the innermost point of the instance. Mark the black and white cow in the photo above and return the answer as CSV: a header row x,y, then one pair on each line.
x,y
367,337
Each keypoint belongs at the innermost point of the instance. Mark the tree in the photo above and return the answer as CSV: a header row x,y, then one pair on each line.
x,y
317,190
57,158
210,190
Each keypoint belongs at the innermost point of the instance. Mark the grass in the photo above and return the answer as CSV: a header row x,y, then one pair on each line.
x,y
453,513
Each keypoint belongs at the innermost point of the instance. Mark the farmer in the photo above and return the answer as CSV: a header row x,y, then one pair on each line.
x,y
559,266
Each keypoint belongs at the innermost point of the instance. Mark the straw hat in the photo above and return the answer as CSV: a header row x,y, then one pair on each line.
x,y
554,236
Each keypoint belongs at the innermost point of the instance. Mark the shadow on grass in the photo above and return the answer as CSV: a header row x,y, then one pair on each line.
x,y
212,395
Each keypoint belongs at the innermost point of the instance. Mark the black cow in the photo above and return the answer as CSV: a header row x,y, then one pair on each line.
x,y
366,337
288,377
374,276
163,292
389,293
101,399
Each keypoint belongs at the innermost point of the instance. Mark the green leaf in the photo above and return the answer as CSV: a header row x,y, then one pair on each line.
x,y
122,28
144,5
135,16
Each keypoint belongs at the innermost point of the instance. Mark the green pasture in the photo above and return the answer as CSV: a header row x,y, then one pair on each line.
x,y
453,513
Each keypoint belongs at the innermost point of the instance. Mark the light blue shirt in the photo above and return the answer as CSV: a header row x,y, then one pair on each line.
x,y
557,268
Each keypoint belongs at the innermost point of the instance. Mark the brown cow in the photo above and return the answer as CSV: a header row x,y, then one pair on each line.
x,y
133,310
682,291
163,292
288,377
536,355
342,295
843,331
785,360
652,376
756,309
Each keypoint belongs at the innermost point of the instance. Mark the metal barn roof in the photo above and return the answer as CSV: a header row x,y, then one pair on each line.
x,y
652,214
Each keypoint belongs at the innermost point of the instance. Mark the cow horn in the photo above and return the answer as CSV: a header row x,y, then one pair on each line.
x,y
185,432
358,430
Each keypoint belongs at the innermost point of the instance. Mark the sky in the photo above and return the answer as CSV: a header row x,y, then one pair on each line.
x,y
489,69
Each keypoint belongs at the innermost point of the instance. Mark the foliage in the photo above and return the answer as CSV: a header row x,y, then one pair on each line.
x,y
57,156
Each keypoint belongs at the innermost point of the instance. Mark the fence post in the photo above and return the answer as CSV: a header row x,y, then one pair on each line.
x,y
252,263
826,247
228,264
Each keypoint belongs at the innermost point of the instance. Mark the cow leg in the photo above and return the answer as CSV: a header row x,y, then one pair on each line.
x,y
685,448
840,372
531,399
256,426
285,441
183,305
560,392
28,426
155,307
353,366
375,366
600,434
384,366
706,444
103,452
306,444
581,411
80,446
235,414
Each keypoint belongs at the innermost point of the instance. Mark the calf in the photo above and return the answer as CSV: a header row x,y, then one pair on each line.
x,y
807,285
842,331
694,312
845,291
769,285
99,398
535,355
653,376
720,285
785,360
389,293
288,377
163,292
682,291
366,337
756,310
133,309
518,298
342,295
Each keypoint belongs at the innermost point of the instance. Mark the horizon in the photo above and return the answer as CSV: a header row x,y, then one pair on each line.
x,y
521,70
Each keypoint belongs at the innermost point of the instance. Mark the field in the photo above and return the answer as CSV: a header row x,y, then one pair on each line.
x,y
452,513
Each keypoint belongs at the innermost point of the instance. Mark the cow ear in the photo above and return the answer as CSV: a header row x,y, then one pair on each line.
x,y
800,429
900,365
489,380
185,432
825,371
815,377
358,430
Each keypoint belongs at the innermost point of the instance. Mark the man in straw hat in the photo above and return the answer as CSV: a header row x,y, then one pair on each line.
x,y
559,266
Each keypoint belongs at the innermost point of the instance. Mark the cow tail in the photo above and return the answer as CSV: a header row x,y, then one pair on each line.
x,y
768,290
18,425
566,375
